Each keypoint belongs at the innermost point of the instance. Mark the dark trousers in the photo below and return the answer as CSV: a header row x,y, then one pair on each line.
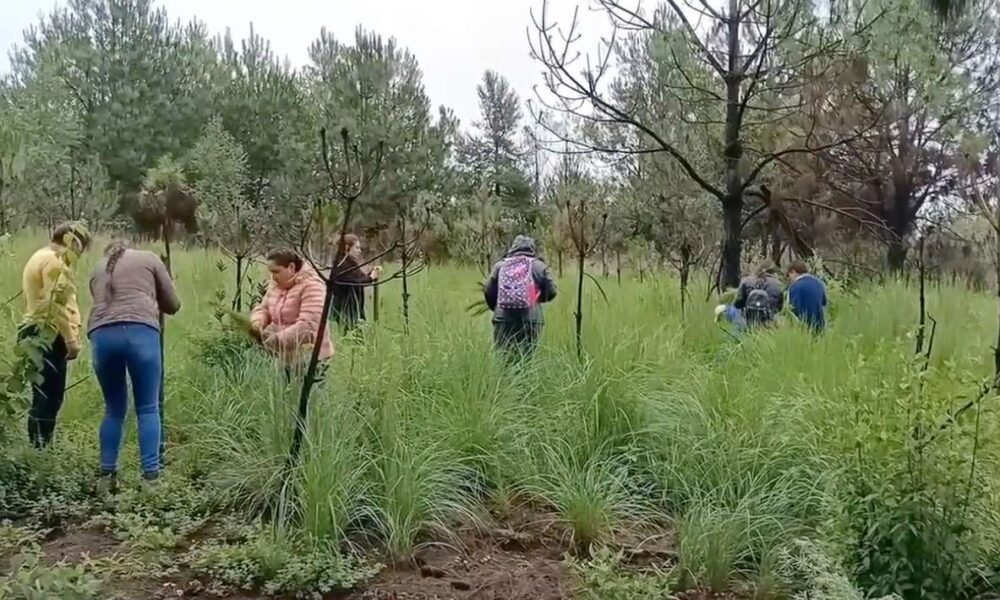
x,y
348,311
298,372
48,392
517,338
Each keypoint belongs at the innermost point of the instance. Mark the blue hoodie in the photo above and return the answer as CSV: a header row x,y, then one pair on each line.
x,y
807,295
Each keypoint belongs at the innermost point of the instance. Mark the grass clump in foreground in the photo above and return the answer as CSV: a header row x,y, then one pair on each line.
x,y
740,450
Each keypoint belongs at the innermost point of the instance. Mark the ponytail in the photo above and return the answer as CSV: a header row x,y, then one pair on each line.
x,y
114,252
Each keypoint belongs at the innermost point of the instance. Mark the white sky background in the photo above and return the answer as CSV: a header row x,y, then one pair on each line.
x,y
453,40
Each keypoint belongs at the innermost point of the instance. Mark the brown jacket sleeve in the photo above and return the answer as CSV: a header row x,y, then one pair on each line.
x,y
166,293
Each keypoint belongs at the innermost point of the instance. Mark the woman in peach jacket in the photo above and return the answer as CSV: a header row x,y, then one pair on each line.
x,y
289,315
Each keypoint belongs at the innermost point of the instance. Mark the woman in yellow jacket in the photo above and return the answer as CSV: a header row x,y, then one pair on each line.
x,y
52,324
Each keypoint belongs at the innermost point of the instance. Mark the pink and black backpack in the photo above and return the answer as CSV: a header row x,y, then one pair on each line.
x,y
516,288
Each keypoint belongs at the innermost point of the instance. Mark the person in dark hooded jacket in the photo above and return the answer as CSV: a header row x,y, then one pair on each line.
x,y
518,329
763,279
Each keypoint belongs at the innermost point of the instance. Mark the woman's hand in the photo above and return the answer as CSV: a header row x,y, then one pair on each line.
x,y
376,272
72,350
269,339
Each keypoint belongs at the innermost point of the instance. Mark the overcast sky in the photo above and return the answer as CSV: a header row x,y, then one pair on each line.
x,y
454,40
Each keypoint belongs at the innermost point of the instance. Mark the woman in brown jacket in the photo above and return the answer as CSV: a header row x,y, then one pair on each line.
x,y
131,288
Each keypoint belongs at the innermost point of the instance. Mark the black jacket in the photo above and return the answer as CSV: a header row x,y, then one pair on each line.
x,y
522,246
349,283
771,285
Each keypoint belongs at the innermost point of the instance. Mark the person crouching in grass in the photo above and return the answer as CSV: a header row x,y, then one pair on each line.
x,y
807,296
288,317
726,312
52,321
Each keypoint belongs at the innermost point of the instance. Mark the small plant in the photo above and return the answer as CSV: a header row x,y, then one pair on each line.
x,y
31,579
46,488
15,537
161,520
606,577
274,563
812,575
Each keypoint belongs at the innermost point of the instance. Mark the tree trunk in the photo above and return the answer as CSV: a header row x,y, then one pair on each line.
x,y
310,379
238,295
732,203
618,265
406,285
732,215
559,259
896,255
72,190
900,225
685,276
604,262
582,257
166,231
922,319
996,266
3,206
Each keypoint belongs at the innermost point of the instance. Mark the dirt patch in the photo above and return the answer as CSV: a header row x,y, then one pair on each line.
x,y
483,569
77,545
707,595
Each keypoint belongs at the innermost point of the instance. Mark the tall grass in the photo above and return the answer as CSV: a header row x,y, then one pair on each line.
x,y
740,448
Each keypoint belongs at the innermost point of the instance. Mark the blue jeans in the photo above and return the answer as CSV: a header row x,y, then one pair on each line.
x,y
134,349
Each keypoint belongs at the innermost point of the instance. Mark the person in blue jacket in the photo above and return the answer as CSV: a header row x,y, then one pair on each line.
x,y
807,296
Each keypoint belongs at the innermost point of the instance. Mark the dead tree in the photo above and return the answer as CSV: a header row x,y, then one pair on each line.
x,y
730,64
983,192
588,236
348,183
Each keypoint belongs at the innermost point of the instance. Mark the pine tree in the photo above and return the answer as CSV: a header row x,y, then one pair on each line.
x,y
493,156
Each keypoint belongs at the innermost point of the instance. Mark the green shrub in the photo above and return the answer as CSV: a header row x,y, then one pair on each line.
x,y
605,577
31,579
275,563
808,573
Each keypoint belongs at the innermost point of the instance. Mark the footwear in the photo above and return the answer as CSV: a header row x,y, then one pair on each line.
x,y
107,483
150,480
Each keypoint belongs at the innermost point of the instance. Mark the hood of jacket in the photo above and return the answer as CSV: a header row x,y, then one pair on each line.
x,y
522,246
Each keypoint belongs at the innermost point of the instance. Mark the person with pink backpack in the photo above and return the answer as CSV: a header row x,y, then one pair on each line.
x,y
515,292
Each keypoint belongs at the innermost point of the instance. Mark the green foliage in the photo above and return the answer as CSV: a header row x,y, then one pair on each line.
x,y
605,576
100,48
812,575
32,579
16,538
168,172
232,217
273,563
493,156
46,489
160,519
373,88
908,491
732,451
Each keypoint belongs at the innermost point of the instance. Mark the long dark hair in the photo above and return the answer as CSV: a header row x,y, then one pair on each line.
x,y
73,228
284,257
114,252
